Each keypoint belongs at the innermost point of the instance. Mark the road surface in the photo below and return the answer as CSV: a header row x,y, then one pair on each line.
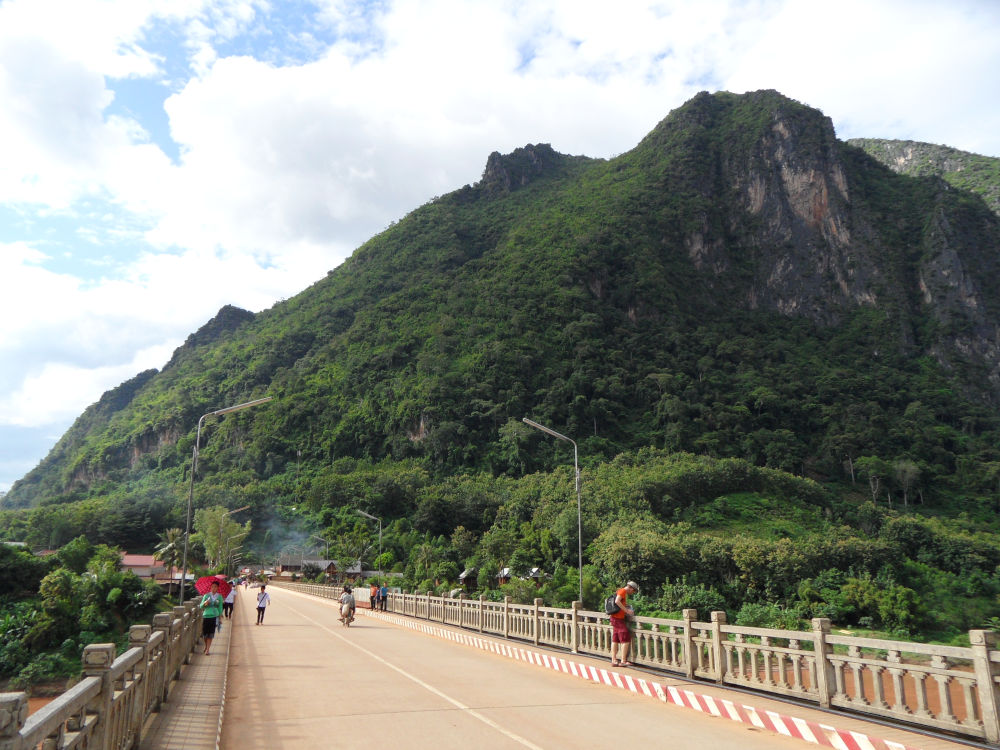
x,y
302,680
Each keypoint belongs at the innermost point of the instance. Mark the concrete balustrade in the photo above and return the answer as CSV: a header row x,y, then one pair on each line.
x,y
108,708
943,687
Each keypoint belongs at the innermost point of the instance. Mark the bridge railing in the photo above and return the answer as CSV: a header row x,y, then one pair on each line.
x,y
108,708
951,688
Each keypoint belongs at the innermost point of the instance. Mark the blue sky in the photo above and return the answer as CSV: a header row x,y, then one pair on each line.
x,y
162,158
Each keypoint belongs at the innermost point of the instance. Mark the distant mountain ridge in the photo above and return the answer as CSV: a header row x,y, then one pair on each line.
x,y
741,283
965,170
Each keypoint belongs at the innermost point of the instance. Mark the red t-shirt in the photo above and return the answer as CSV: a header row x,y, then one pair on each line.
x,y
623,595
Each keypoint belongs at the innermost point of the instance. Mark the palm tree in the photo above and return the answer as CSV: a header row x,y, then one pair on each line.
x,y
170,549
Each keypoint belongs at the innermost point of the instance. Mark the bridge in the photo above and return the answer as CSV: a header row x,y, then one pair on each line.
x,y
448,673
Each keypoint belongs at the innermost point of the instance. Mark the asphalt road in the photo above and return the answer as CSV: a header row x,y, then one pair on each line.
x,y
302,680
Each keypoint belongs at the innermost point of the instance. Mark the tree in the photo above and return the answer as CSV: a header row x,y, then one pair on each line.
x,y
170,549
75,554
874,469
463,542
218,533
423,558
20,572
908,475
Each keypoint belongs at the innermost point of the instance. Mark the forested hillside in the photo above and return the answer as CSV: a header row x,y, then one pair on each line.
x,y
741,287
973,172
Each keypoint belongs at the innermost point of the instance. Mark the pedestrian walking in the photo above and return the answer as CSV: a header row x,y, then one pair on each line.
x,y
372,596
263,599
211,603
383,594
621,636
228,602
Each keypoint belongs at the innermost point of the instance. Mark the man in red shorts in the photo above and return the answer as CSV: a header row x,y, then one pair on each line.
x,y
620,634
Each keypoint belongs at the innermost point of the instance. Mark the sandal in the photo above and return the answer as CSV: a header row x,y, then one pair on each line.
x,y
626,664
615,663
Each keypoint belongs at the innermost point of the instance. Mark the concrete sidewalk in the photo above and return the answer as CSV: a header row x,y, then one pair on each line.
x,y
192,718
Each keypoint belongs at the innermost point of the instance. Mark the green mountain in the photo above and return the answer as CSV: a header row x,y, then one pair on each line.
x,y
966,171
739,284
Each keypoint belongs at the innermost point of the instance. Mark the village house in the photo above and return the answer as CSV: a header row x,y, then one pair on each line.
x,y
144,566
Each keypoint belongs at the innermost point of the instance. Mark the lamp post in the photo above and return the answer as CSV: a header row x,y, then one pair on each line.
x,y
326,542
194,469
579,516
376,518
230,555
231,536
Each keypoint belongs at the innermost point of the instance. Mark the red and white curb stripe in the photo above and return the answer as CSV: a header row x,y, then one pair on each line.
x,y
810,731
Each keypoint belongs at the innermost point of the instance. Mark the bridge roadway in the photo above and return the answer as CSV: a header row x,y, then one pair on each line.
x,y
303,680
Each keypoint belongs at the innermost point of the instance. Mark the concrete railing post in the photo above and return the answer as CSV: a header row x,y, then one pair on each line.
x,y
983,642
506,617
192,625
482,612
178,613
825,677
718,620
689,616
97,661
461,609
575,632
429,611
536,620
13,714
138,637
161,622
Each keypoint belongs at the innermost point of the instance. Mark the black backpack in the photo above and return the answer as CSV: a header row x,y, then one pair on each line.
x,y
611,604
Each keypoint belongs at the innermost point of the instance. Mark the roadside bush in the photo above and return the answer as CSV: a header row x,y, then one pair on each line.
x,y
46,668
680,594
754,615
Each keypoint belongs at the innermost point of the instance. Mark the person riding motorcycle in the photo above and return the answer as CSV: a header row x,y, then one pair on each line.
x,y
347,606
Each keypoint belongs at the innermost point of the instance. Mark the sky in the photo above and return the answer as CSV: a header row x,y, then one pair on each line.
x,y
162,158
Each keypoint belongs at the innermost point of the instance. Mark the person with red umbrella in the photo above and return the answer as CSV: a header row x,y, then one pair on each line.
x,y
211,603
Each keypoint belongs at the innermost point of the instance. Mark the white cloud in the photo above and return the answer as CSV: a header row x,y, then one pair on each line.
x,y
53,394
912,70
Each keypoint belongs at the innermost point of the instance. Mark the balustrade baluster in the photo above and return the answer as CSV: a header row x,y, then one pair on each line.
x,y
896,673
920,689
879,686
740,655
972,713
782,670
859,697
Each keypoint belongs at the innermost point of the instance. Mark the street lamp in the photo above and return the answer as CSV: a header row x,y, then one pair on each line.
x,y
242,535
376,518
230,554
579,517
326,542
194,469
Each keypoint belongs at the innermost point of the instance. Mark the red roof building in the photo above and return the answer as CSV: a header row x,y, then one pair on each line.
x,y
144,566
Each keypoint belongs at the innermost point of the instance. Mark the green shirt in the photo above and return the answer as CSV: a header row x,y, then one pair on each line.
x,y
214,602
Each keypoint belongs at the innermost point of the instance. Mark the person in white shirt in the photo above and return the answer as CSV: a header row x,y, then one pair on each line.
x,y
263,599
347,605
228,602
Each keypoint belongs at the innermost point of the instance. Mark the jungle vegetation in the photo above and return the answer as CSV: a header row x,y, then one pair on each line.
x,y
839,459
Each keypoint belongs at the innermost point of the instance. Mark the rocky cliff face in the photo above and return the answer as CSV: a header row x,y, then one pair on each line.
x,y
798,222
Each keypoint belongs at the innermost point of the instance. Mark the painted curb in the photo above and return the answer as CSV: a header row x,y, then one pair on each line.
x,y
809,731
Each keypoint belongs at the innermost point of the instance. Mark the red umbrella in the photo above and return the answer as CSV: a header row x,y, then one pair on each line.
x,y
204,584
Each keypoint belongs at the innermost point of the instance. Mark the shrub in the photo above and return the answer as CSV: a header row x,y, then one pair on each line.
x,y
679,595
45,668
768,615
